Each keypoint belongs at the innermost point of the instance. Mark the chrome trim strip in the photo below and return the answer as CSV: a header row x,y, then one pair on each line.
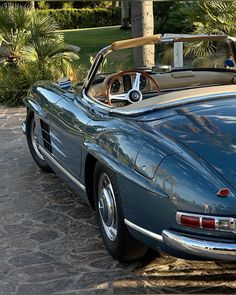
x,y
95,102
103,52
54,136
58,150
201,248
62,169
144,231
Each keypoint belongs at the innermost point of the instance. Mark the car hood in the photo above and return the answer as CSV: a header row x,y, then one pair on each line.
x,y
209,131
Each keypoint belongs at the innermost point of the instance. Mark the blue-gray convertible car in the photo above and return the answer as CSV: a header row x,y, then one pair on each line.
x,y
152,149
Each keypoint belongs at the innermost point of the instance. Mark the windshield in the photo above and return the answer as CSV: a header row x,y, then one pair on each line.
x,y
171,55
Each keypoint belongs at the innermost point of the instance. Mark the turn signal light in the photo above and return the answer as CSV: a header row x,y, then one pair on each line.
x,y
206,222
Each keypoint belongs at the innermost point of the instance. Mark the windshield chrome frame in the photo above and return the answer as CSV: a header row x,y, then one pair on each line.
x,y
97,62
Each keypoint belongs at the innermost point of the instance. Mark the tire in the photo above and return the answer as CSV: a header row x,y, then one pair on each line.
x,y
32,143
117,239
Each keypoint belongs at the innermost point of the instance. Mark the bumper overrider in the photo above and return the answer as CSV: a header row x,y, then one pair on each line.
x,y
190,246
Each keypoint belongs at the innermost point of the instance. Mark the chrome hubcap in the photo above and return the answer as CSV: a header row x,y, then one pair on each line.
x,y
107,206
34,140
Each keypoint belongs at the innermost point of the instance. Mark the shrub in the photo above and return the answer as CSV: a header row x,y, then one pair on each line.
x,y
84,17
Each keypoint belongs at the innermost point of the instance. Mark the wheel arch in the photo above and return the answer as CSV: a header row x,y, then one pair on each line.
x,y
90,164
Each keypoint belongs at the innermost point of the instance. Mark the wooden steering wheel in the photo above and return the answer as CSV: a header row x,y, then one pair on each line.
x,y
134,94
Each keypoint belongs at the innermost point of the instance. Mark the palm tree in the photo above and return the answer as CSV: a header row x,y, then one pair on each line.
x,y
211,17
124,15
142,25
28,37
32,48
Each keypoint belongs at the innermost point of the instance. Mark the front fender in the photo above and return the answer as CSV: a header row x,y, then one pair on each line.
x,y
33,105
42,96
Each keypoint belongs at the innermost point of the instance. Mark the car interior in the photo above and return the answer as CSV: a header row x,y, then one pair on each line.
x,y
125,87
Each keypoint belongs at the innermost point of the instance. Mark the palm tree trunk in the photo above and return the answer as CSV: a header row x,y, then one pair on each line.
x,y
142,24
124,15
32,4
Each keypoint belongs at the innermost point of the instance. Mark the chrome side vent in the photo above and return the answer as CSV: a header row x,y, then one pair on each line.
x,y
46,136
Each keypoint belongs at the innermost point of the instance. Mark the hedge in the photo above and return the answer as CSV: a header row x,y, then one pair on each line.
x,y
85,17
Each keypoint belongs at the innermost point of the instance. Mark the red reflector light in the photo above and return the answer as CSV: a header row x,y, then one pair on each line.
x,y
218,223
190,221
208,223
223,192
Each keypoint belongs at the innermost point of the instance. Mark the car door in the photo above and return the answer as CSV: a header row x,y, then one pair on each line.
x,y
67,121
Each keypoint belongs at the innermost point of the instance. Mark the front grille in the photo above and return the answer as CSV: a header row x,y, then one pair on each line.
x,y
46,136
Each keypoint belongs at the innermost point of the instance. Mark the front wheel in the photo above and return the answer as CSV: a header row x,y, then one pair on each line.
x,y
118,241
33,142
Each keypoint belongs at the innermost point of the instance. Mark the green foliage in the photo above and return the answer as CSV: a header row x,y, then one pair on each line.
x,y
196,17
84,17
67,5
43,5
161,13
175,22
31,49
13,87
211,17
73,4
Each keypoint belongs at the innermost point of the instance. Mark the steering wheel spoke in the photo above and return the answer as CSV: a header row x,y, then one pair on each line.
x,y
119,97
136,84
134,94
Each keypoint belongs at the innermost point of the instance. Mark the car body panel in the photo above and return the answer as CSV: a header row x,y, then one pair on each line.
x,y
210,133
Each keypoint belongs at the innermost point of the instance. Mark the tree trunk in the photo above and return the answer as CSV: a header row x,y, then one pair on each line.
x,y
32,4
124,15
142,24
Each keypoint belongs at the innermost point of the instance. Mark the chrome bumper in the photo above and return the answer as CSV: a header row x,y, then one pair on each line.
x,y
23,127
199,247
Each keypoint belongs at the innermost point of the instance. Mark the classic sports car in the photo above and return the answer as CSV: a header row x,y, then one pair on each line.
x,y
151,149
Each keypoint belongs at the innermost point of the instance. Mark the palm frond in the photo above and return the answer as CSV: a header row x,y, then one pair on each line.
x,y
44,26
200,49
31,43
14,17
21,17
65,49
29,54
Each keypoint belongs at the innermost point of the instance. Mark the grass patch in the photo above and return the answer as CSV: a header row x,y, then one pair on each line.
x,y
93,39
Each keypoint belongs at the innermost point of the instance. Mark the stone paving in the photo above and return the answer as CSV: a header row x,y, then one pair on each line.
x,y
50,242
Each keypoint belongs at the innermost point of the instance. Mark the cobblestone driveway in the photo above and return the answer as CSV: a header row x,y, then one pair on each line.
x,y
50,243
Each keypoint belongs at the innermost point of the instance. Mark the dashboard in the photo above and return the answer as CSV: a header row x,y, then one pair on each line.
x,y
125,84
